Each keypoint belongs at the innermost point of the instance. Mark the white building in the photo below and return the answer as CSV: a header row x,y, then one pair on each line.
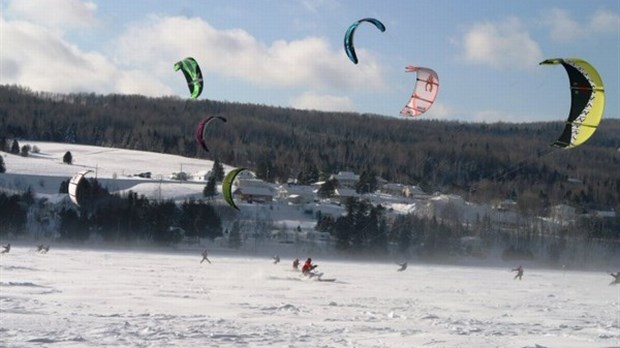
x,y
346,179
254,190
297,194
563,214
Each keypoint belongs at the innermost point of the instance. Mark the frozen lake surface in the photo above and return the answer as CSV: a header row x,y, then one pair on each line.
x,y
90,298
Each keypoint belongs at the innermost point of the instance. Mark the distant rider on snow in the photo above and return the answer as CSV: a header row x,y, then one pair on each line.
x,y
616,278
308,267
519,271
205,256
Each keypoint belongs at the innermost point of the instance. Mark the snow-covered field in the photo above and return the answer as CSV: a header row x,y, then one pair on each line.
x,y
94,298
115,168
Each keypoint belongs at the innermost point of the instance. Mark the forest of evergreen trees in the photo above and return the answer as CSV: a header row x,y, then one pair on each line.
x,y
482,162
113,218
477,160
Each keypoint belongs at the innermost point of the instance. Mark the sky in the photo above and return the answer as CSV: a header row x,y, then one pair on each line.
x,y
290,53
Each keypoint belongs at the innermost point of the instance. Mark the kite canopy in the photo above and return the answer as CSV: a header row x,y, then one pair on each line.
x,y
348,37
76,187
587,101
227,186
192,74
424,93
202,130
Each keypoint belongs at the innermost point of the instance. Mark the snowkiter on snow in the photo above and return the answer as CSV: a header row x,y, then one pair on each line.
x,y
519,271
616,278
308,267
204,257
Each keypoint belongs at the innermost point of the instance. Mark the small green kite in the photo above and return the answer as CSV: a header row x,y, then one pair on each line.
x,y
227,186
193,75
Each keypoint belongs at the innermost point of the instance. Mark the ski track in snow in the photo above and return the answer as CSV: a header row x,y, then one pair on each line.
x,y
85,298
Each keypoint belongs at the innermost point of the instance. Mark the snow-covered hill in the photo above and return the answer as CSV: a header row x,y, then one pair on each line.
x,y
117,169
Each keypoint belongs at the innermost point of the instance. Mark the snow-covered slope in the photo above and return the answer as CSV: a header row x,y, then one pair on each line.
x,y
117,169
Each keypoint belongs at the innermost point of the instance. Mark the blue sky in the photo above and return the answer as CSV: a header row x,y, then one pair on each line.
x,y
290,53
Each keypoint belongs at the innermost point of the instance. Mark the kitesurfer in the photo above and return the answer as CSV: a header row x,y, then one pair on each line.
x,y
204,256
6,248
296,263
276,259
616,278
519,271
308,267
403,266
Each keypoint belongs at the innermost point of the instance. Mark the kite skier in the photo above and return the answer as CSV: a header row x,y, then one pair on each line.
x,y
519,271
204,256
308,267
616,278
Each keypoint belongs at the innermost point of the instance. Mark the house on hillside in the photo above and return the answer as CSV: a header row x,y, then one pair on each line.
x,y
393,189
318,209
506,205
563,214
401,190
414,191
297,194
254,190
342,194
603,214
346,179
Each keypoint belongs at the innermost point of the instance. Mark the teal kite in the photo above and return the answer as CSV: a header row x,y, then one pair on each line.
x,y
348,37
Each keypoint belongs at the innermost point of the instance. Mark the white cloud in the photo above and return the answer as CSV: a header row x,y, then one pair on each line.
x,y
41,59
314,101
309,62
605,22
142,58
441,111
502,45
315,5
55,13
563,28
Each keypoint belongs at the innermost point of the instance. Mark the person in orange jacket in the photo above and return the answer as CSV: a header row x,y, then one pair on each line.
x,y
308,267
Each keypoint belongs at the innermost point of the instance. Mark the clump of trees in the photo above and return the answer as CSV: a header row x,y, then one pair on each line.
x,y
117,218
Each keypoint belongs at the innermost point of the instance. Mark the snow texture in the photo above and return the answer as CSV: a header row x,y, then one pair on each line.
x,y
132,298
